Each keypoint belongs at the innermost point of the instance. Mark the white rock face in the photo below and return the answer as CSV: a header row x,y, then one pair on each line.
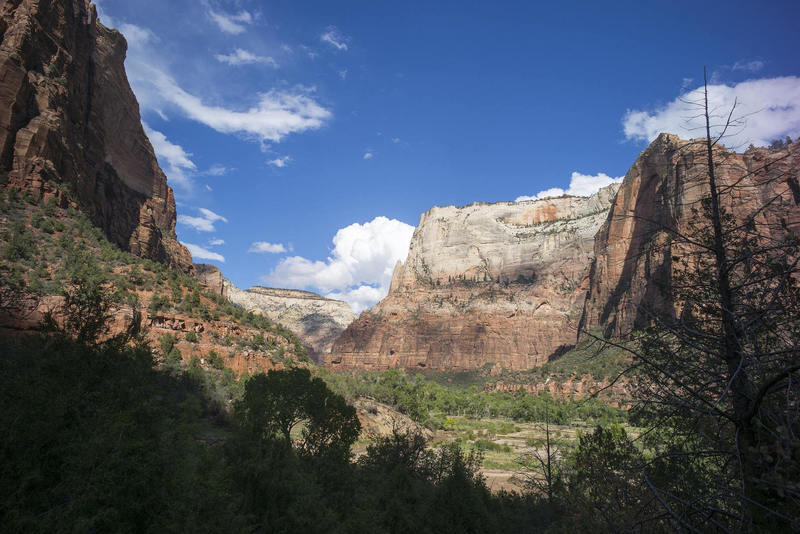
x,y
502,242
314,319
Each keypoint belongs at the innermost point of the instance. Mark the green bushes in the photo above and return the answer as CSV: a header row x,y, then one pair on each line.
x,y
424,400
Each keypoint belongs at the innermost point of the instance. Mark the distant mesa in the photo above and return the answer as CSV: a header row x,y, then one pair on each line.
x,y
316,320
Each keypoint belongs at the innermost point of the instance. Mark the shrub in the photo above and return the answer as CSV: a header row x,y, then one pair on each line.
x,y
215,360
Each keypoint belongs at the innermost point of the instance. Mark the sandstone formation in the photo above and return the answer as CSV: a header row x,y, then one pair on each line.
x,y
632,268
317,321
487,283
617,393
68,119
379,420
211,277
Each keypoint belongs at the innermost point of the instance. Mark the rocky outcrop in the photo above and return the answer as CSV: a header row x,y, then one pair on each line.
x,y
618,392
631,273
317,321
212,279
487,283
68,119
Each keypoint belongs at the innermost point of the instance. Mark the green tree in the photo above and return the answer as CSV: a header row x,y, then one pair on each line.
x,y
278,402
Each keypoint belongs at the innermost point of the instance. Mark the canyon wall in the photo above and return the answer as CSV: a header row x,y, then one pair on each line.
x,y
483,284
660,195
512,284
68,118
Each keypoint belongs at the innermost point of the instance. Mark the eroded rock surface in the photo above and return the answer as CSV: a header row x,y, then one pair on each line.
x,y
68,116
487,283
633,267
316,320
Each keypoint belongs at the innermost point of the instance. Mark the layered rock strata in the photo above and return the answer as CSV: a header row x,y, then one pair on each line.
x,y
487,283
68,118
662,192
316,320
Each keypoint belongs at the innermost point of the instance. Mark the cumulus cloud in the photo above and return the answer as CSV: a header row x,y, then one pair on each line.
x,y
580,185
243,57
768,108
232,23
280,162
359,298
200,253
203,223
369,155
173,158
334,37
359,269
265,247
270,117
216,242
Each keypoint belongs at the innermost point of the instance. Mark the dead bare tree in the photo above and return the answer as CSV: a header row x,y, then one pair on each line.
x,y
718,370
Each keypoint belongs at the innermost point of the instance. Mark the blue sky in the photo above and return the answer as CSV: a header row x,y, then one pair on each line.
x,y
304,139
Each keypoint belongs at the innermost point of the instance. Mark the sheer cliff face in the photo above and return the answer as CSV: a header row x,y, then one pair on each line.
x,y
633,251
68,115
487,283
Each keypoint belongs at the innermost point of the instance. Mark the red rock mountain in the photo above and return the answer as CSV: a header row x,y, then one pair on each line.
x,y
68,116
484,284
633,251
512,284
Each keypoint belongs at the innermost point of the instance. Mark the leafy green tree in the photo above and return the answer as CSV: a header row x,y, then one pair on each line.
x,y
276,403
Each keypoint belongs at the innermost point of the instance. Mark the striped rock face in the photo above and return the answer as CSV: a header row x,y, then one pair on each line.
x,y
483,284
68,117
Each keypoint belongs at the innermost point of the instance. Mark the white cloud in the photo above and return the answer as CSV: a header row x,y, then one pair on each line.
x,y
200,253
751,66
359,298
216,170
359,268
243,57
343,74
136,35
204,223
280,162
769,109
334,37
265,247
277,113
234,24
216,242
175,160
271,116
580,185
395,140
369,155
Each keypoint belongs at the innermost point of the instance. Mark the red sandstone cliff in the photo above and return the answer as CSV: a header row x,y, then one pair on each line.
x,y
633,250
512,284
487,283
68,116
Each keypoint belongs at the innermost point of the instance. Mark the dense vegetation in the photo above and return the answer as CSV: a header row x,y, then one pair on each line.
x,y
429,402
48,250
